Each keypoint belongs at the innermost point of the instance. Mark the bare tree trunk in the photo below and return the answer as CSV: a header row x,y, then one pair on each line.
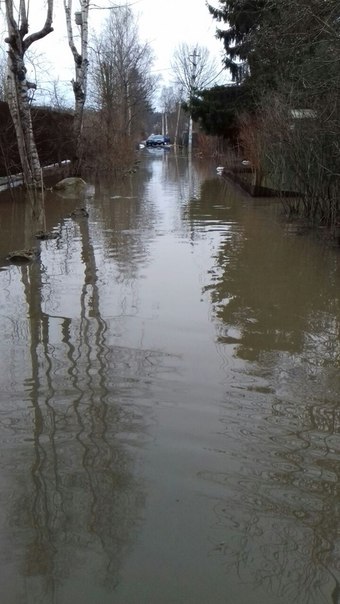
x,y
122,85
177,124
129,111
81,63
18,86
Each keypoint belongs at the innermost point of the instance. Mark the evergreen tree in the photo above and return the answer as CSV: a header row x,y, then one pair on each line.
x,y
271,43
243,19
217,109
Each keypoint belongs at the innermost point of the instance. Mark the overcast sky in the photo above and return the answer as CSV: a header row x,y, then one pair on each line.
x,y
163,23
168,23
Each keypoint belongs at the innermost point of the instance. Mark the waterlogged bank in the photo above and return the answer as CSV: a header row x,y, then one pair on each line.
x,y
170,387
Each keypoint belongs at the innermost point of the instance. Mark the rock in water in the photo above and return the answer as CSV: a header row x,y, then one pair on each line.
x,y
47,235
79,212
23,255
71,183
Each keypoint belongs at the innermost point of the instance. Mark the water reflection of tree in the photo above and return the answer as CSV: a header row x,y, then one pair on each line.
x,y
276,308
283,537
84,492
129,223
274,290
281,514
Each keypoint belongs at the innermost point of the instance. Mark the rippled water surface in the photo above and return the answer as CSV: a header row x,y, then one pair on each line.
x,y
170,409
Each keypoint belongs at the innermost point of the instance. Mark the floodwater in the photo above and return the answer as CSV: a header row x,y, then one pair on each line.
x,y
170,409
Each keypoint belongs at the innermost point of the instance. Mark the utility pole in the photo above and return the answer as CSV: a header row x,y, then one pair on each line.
x,y
177,120
194,57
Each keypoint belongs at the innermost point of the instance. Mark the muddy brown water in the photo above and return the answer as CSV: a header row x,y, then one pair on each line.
x,y
170,410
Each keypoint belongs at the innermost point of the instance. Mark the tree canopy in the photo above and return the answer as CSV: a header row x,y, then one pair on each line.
x,y
217,109
272,43
287,54
243,19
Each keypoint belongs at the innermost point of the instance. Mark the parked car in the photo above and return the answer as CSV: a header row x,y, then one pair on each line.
x,y
157,140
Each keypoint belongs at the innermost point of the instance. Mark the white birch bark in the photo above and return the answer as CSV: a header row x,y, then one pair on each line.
x,y
18,42
81,63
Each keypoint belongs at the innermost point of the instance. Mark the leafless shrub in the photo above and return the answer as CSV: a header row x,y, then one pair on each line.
x,y
106,150
208,146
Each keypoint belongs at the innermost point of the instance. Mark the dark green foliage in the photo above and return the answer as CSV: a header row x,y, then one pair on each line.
x,y
217,109
243,19
295,45
286,54
268,42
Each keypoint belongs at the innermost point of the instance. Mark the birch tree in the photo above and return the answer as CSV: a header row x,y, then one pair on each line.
x,y
193,68
122,82
170,102
18,87
3,74
81,63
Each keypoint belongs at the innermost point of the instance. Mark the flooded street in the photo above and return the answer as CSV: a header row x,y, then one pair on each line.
x,y
170,398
